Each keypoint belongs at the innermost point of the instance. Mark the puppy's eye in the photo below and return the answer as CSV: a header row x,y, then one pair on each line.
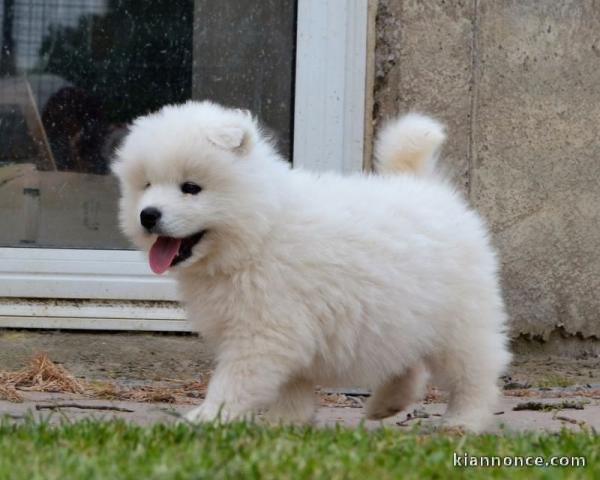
x,y
191,188
147,185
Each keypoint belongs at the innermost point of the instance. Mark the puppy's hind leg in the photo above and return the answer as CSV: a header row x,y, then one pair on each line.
x,y
397,393
471,375
296,403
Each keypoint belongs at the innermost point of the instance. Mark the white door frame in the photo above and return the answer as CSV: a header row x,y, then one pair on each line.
x,y
329,132
331,84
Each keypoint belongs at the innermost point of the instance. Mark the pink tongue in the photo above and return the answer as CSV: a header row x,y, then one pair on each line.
x,y
162,253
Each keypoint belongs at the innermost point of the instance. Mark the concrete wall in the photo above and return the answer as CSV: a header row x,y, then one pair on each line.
x,y
518,84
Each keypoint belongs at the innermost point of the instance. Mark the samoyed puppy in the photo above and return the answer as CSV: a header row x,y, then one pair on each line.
x,y
298,279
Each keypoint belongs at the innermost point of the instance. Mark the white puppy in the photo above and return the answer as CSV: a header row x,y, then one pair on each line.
x,y
298,279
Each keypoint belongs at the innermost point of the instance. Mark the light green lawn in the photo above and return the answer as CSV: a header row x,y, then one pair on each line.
x,y
115,450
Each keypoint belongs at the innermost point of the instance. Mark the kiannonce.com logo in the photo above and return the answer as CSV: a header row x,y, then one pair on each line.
x,y
466,460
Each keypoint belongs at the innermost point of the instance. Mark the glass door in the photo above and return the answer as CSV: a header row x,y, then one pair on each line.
x,y
73,74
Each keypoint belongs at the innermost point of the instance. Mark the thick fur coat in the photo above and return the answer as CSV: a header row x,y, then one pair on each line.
x,y
301,279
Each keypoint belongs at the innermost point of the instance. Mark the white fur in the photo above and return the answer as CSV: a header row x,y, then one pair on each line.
x,y
306,279
409,144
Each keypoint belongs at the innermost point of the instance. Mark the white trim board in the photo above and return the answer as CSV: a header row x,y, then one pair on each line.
x,y
96,323
93,315
331,79
73,273
89,308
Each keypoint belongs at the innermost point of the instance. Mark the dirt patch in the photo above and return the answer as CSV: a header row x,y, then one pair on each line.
x,y
130,359
110,356
555,371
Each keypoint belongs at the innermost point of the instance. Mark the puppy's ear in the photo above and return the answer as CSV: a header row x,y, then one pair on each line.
x,y
235,139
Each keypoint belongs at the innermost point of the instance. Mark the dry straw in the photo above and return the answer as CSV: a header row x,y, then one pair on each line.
x,y
43,375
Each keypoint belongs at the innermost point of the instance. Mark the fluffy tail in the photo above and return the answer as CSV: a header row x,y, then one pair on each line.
x,y
409,144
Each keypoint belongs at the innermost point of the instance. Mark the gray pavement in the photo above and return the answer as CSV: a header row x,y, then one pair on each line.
x,y
506,419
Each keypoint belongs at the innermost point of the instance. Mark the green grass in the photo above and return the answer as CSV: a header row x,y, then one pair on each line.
x,y
115,450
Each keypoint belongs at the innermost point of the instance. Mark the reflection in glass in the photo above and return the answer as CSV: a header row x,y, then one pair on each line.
x,y
73,73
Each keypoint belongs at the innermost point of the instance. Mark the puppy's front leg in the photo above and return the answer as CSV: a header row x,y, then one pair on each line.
x,y
240,387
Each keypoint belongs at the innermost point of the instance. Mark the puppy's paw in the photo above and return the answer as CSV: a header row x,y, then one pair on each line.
x,y
207,413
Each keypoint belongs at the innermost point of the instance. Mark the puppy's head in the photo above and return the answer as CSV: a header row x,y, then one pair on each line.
x,y
192,184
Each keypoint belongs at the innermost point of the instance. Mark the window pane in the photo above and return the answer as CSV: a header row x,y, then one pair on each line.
x,y
74,73
244,56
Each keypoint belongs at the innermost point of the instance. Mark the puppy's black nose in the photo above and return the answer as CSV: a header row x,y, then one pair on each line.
x,y
149,216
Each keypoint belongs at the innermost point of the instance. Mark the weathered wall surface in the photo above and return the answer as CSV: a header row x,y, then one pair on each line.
x,y
518,84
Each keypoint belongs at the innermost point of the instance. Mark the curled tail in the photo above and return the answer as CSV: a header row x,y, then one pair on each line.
x,y
409,144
